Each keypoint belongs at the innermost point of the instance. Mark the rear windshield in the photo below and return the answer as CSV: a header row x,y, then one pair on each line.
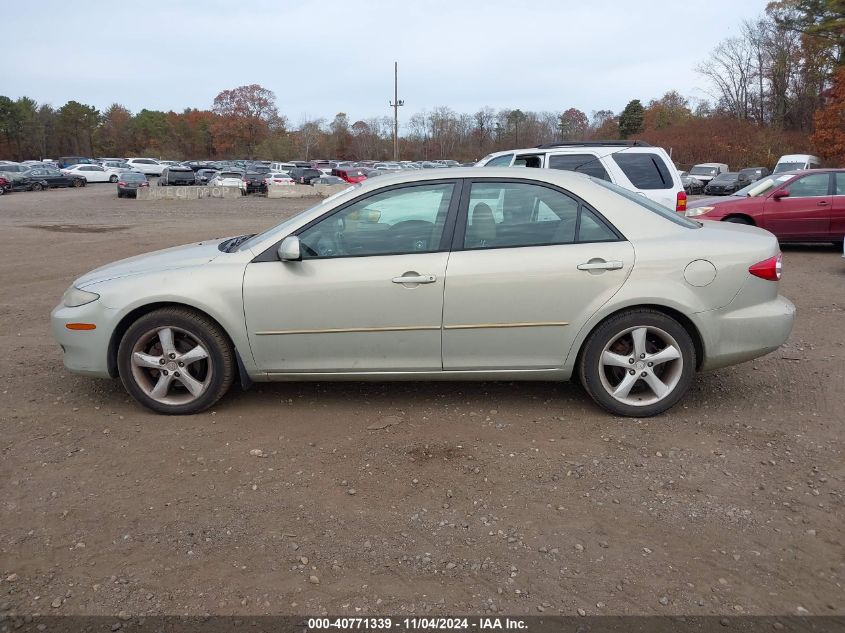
x,y
654,207
700,170
645,170
132,175
230,174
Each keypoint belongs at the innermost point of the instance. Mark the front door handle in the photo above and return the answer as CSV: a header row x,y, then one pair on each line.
x,y
414,278
600,265
822,203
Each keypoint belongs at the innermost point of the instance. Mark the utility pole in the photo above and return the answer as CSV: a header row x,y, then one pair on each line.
x,y
395,105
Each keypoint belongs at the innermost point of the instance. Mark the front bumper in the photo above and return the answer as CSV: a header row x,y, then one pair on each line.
x,y
735,334
85,351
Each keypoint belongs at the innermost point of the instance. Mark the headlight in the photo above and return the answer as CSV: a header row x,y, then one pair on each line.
x,y
691,213
74,297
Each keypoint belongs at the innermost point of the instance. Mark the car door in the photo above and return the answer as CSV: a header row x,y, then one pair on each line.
x,y
805,212
530,264
837,212
367,295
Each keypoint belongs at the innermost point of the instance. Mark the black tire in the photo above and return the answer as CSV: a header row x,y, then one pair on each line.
x,y
200,327
738,220
36,186
78,182
113,179
592,370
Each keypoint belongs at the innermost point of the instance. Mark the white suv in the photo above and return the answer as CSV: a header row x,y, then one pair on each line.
x,y
634,165
147,166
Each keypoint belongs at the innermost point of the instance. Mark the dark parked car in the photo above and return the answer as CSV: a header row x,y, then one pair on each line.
x,y
40,178
692,185
255,182
726,182
129,182
755,173
797,206
204,175
328,180
304,175
177,175
69,161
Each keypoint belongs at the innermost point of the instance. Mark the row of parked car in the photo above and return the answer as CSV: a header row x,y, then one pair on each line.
x,y
716,179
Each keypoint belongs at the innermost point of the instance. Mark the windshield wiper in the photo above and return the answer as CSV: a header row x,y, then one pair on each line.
x,y
231,244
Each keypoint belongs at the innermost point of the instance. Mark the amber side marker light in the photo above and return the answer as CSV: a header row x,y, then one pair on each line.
x,y
81,326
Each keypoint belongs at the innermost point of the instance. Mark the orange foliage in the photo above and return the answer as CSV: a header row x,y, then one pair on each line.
x,y
829,137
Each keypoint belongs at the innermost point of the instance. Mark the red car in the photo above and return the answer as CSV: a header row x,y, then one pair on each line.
x,y
5,186
350,175
797,206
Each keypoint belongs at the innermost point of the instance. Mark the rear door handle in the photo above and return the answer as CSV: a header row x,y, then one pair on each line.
x,y
602,265
415,279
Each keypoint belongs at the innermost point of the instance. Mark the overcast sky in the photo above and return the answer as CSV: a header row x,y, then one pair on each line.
x,y
324,57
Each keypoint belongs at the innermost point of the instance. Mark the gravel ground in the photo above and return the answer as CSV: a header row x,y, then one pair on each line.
x,y
404,498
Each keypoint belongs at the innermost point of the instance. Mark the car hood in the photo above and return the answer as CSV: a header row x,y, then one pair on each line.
x,y
713,201
168,259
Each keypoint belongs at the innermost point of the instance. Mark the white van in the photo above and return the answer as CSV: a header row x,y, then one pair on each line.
x,y
634,165
791,162
282,167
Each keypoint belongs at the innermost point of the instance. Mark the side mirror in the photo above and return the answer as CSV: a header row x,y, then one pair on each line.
x,y
780,193
288,250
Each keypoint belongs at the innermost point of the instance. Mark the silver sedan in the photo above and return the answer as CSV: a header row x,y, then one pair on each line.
x,y
474,274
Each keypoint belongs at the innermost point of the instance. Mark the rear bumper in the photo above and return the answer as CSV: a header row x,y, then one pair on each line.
x,y
736,334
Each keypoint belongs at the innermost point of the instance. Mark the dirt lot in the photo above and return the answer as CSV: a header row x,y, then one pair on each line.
x,y
404,498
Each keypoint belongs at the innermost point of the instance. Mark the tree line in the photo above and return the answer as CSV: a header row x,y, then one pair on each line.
x,y
778,87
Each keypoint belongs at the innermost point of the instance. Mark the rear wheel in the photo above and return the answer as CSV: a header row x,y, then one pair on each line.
x,y
36,186
175,361
638,363
113,178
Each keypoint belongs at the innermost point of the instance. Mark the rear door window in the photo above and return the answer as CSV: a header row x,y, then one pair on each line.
x,y
582,163
500,161
840,184
645,170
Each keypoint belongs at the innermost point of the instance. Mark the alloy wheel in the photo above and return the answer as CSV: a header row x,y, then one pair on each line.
x,y
171,366
641,365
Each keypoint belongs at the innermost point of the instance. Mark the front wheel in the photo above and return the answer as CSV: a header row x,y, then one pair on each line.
x,y
175,361
638,363
78,183
738,220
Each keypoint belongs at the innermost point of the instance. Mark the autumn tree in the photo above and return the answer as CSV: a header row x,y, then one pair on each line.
x,y
671,108
114,134
829,137
246,116
572,125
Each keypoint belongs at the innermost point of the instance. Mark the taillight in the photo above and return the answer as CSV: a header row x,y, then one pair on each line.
x,y
121,184
681,202
769,269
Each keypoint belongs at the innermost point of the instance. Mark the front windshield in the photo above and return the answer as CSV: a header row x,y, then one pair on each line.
x,y
761,186
702,171
782,167
255,239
